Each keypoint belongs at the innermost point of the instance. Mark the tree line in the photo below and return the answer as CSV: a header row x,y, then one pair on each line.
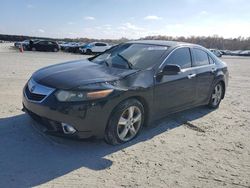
x,y
215,41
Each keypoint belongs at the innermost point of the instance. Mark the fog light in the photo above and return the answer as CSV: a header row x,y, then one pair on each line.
x,y
68,129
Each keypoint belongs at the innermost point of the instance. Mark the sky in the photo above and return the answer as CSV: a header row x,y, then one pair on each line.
x,y
114,19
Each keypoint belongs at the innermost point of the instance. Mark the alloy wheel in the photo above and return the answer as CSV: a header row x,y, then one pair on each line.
x,y
217,94
129,123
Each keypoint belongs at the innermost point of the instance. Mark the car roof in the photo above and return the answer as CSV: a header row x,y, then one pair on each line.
x,y
163,43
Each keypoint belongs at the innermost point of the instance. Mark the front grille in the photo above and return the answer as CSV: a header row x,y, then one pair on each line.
x,y
37,92
33,96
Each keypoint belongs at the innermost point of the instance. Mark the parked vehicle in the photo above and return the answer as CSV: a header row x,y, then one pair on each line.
x,y
24,43
236,52
94,47
225,52
245,53
74,48
114,94
216,52
64,46
43,45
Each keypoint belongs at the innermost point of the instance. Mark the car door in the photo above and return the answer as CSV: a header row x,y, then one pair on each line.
x,y
175,92
50,46
94,47
41,46
205,69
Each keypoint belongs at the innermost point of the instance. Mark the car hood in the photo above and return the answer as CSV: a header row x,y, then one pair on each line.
x,y
73,74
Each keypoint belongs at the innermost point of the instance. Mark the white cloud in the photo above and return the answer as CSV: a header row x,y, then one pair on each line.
x,y
152,17
128,25
108,31
89,18
41,30
132,30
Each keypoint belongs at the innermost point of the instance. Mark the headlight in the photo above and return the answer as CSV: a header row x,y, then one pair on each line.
x,y
72,96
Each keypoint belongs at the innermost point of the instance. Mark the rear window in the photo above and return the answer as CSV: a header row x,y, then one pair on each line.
x,y
200,57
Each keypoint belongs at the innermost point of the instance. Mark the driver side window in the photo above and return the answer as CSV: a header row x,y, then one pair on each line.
x,y
180,57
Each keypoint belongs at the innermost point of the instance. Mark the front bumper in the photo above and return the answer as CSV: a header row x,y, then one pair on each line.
x,y
88,118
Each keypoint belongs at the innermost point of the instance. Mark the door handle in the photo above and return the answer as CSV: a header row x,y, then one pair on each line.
x,y
190,76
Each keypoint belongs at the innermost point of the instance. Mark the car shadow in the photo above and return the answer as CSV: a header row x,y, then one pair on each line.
x,y
29,158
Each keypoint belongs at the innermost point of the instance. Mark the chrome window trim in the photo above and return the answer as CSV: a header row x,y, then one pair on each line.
x,y
190,68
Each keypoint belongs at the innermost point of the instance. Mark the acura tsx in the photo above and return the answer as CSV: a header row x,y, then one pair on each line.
x,y
115,94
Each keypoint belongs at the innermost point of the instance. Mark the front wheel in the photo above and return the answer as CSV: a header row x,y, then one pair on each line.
x,y
216,96
125,123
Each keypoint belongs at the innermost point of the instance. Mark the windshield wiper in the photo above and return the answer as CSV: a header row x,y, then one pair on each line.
x,y
130,65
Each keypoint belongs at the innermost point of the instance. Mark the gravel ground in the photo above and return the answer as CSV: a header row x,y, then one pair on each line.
x,y
195,148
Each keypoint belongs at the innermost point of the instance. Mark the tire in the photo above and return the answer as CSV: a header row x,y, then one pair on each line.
x,y
33,49
88,52
125,123
216,96
55,50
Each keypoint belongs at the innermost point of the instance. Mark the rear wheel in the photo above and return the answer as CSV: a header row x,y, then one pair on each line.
x,y
216,96
55,50
33,49
125,123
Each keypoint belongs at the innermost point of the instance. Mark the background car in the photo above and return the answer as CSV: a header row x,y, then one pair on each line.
x,y
94,47
216,52
66,45
236,52
18,44
43,45
62,45
245,53
74,48
225,52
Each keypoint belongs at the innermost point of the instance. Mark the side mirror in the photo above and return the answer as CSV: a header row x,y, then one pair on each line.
x,y
171,69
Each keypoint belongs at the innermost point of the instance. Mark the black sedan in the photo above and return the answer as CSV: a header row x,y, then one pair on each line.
x,y
43,45
113,95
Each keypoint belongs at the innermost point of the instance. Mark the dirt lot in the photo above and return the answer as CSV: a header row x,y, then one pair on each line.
x,y
195,148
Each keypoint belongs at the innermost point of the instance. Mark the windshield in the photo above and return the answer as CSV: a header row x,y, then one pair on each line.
x,y
132,56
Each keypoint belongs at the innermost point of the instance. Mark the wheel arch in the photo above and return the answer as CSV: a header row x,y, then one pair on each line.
x,y
222,81
144,103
